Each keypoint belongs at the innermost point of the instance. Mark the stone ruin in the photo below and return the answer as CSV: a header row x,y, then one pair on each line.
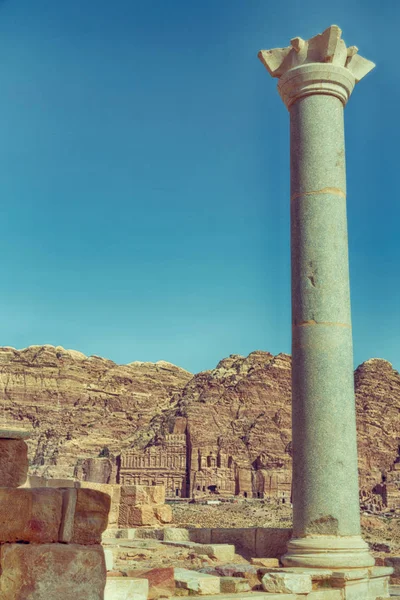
x,y
50,539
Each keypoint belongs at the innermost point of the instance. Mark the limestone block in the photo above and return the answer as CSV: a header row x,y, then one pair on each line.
x,y
155,494
114,491
85,516
294,583
109,558
30,515
148,533
163,513
176,534
221,552
48,571
243,539
234,585
161,581
201,583
201,535
394,561
124,588
271,542
13,462
265,562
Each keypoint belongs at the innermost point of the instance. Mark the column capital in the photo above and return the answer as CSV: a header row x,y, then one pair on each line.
x,y
321,65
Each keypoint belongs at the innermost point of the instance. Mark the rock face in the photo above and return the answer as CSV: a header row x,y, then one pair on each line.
x,y
227,430
81,406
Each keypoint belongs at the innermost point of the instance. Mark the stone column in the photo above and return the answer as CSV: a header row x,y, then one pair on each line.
x,y
316,78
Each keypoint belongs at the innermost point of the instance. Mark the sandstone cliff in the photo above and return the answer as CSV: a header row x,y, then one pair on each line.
x,y
81,406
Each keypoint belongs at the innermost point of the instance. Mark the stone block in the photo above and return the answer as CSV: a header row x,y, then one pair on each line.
x,y
200,583
265,562
114,491
47,571
13,462
137,515
289,583
124,588
234,585
161,581
148,533
85,516
134,495
30,515
163,513
243,539
200,535
109,558
155,494
221,552
176,534
271,542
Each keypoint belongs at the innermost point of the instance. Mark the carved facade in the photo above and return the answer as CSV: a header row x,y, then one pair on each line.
x,y
164,464
193,472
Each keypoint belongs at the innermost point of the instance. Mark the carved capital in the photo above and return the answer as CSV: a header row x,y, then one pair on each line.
x,y
323,51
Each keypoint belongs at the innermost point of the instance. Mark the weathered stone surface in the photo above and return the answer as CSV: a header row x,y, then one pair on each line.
x,y
13,462
124,588
176,534
129,516
161,581
287,583
30,515
163,513
244,539
272,542
85,516
109,559
200,583
47,571
234,585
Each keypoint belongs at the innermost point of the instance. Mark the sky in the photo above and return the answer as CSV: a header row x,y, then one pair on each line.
x,y
144,158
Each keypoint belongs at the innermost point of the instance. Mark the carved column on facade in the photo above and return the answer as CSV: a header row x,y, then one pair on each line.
x,y
316,78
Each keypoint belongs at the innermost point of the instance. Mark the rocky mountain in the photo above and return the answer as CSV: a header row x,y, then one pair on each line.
x,y
80,406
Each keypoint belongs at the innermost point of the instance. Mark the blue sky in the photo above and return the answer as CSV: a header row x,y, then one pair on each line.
x,y
145,177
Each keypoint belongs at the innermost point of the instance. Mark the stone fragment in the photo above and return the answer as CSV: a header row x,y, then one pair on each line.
x,y
85,516
287,583
30,515
13,462
201,583
234,585
176,534
163,513
265,562
49,571
124,588
161,581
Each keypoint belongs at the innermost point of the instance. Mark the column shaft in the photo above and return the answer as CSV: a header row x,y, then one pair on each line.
x,y
325,473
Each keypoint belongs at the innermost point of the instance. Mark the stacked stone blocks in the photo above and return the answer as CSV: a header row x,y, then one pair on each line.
x,y
49,538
